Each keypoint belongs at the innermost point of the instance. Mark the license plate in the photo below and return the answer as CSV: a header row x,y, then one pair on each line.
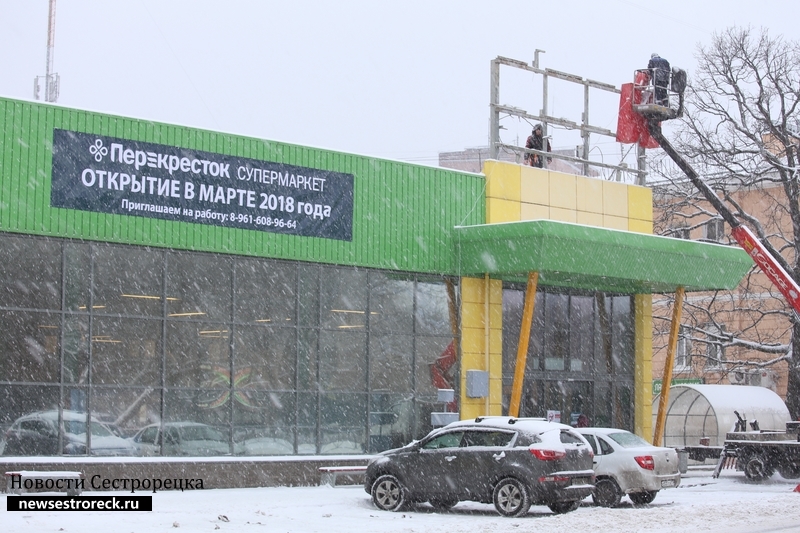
x,y
667,483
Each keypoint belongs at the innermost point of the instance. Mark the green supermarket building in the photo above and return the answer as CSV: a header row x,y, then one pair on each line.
x,y
303,302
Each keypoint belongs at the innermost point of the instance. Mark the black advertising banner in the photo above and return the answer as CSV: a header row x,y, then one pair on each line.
x,y
118,176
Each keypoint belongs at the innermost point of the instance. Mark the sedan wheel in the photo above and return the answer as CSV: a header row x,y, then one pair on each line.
x,y
388,494
606,493
511,497
642,498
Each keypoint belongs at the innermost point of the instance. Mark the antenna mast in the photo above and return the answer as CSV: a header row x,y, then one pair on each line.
x,y
51,79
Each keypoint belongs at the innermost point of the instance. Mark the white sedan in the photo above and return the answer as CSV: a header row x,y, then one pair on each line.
x,y
627,464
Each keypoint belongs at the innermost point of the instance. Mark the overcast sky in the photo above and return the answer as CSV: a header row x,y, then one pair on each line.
x,y
402,80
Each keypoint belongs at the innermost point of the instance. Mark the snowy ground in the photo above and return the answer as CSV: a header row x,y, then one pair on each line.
x,y
728,504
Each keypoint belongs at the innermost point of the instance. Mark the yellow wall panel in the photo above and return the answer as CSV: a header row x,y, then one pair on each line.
x,y
496,365
496,293
535,186
640,203
471,290
564,215
504,182
615,222
472,361
563,191
473,341
589,195
496,315
534,212
590,219
640,226
498,210
615,199
496,392
472,316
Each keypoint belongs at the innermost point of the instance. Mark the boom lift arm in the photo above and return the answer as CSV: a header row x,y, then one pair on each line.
x,y
742,234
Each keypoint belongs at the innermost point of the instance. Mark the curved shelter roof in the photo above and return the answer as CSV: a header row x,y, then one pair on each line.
x,y
597,259
696,411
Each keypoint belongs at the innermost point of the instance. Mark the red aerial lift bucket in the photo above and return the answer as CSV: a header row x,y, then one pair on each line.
x,y
631,126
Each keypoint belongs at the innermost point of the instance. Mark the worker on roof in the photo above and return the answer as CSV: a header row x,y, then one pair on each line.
x,y
536,142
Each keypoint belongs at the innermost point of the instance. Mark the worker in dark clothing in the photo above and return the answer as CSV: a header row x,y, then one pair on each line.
x,y
535,142
659,73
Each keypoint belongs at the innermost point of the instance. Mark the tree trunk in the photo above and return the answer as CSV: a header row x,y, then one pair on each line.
x,y
793,386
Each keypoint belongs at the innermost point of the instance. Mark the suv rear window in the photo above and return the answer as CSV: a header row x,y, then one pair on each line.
x,y
568,437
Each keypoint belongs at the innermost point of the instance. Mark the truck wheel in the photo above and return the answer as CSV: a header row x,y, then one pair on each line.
x,y
757,467
789,470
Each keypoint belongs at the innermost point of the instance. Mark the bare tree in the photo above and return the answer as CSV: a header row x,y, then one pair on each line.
x,y
741,131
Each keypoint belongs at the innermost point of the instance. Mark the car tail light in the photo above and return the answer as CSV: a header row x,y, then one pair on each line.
x,y
548,455
646,462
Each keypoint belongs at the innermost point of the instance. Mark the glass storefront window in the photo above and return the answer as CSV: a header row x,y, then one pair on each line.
x,y
435,355
581,334
126,351
118,289
343,298
198,287
391,304
264,357
29,344
587,348
265,293
434,313
203,354
198,354
390,362
556,331
31,273
343,360
77,276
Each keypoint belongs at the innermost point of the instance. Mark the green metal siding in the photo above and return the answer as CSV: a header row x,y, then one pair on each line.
x,y
403,216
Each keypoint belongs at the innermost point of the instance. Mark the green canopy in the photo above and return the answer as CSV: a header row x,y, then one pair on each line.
x,y
596,259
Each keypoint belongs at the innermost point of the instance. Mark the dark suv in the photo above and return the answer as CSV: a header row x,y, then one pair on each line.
x,y
511,462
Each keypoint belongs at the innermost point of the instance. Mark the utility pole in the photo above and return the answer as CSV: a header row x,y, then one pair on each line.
x,y
51,79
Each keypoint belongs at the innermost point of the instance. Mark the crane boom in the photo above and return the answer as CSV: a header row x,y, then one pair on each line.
x,y
742,234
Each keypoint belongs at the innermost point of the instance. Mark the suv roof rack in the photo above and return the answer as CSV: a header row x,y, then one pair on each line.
x,y
511,419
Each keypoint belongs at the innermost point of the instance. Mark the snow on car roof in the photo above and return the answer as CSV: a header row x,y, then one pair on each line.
x,y
534,425
604,431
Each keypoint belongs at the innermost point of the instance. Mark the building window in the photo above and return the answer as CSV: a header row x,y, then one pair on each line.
x,y
681,232
715,352
715,230
683,353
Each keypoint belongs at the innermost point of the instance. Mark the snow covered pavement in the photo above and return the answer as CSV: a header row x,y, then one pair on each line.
x,y
727,504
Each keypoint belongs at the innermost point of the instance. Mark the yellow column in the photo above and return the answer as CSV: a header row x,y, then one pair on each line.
x,y
475,335
643,356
